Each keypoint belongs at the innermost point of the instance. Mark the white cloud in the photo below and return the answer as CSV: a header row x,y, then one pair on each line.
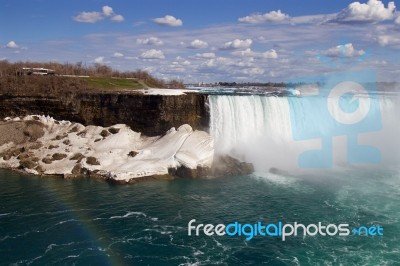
x,y
346,50
273,16
244,53
152,54
253,71
198,44
150,41
117,18
397,21
117,54
372,11
183,63
107,11
387,40
94,16
168,20
270,54
219,61
12,45
99,60
205,55
89,17
237,44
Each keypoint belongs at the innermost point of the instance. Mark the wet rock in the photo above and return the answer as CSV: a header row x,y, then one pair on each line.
x,y
27,164
77,170
229,166
222,166
39,169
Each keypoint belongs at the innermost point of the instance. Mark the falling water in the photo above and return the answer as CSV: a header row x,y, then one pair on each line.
x,y
272,132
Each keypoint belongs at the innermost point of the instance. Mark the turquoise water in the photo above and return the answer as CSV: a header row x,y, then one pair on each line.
x,y
55,221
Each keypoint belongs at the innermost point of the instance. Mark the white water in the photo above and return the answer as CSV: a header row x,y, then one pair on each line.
x,y
258,129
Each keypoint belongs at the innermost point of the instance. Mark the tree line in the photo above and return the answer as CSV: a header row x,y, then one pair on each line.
x,y
8,69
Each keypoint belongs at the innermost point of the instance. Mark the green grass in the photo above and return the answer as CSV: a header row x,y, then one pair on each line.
x,y
115,83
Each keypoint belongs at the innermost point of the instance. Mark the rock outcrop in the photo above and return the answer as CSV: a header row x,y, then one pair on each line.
x,y
149,114
223,165
42,145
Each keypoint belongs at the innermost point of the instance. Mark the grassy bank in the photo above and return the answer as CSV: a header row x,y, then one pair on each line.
x,y
74,77
106,83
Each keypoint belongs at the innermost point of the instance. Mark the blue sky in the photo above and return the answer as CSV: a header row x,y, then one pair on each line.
x,y
237,40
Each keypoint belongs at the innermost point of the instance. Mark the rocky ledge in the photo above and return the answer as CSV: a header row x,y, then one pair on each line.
x,y
45,146
151,112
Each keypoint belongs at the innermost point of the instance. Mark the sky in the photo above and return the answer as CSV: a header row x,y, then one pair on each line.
x,y
207,40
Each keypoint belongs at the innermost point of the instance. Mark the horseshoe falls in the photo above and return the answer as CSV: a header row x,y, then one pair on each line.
x,y
297,134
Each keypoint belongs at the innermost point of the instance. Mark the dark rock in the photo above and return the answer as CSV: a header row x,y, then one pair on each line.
x,y
77,170
104,133
92,161
23,156
82,133
192,173
78,157
132,153
277,171
39,169
47,160
66,142
58,156
33,130
74,129
60,137
35,146
222,166
229,166
53,147
113,130
97,140
27,164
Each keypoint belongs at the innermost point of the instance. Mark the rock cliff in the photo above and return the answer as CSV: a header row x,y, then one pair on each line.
x,y
150,114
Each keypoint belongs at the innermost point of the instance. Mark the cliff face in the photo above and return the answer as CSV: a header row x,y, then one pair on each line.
x,y
150,114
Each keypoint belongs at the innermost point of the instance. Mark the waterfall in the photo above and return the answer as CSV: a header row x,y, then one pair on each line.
x,y
280,132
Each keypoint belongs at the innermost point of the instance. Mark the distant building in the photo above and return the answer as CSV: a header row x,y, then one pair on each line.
x,y
37,71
